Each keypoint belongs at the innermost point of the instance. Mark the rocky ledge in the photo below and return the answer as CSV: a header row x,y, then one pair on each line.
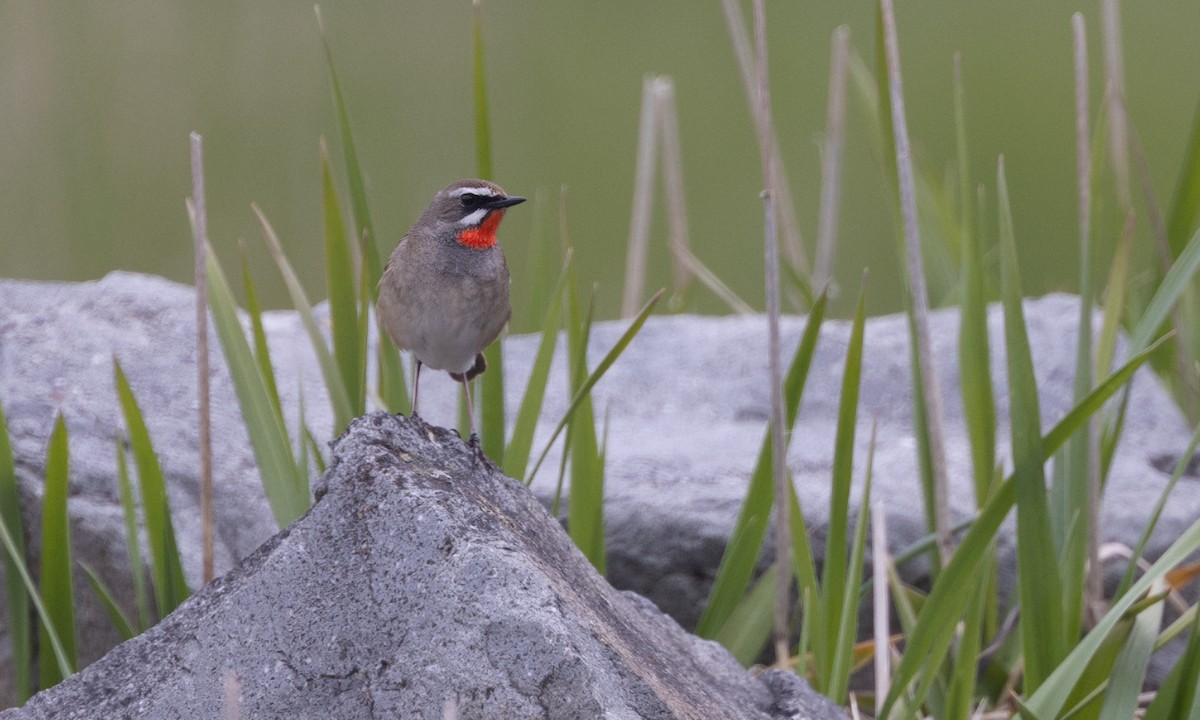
x,y
423,583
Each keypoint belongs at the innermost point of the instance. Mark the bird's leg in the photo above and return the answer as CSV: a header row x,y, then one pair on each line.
x,y
474,441
416,386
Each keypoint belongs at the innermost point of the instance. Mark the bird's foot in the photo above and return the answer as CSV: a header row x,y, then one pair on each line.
x,y
477,448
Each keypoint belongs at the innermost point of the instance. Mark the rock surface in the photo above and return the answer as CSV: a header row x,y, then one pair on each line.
x,y
686,406
423,584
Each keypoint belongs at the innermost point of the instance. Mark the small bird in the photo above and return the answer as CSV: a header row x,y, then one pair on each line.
x,y
444,292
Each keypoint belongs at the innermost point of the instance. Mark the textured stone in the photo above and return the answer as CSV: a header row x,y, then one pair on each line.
x,y
421,580
686,407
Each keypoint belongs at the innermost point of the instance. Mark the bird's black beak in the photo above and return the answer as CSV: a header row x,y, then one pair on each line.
x,y
503,202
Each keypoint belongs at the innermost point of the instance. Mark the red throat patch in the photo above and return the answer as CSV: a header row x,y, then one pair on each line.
x,y
482,236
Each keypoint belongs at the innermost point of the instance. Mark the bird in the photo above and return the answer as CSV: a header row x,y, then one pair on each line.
x,y
444,293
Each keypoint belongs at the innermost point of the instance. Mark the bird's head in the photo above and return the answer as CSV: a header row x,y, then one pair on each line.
x,y
469,211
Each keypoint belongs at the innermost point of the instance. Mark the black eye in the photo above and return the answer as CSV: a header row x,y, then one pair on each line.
x,y
469,200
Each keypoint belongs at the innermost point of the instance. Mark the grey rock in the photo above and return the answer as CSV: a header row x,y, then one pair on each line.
x,y
422,580
686,408
57,345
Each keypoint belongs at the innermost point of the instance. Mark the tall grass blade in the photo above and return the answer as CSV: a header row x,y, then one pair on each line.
x,y
831,160
745,542
20,629
262,351
767,146
516,455
492,383
1040,583
1186,205
974,354
14,554
119,620
926,389
930,638
483,135
829,641
636,252
965,669
880,615
785,209
365,230
339,394
57,592
677,224
1114,83
268,434
1115,294
132,546
1125,681
1048,700
585,506
170,587
1179,696
749,625
1074,491
1168,293
582,392
847,613
349,347
198,214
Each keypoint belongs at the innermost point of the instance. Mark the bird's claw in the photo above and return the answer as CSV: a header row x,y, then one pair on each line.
x,y
477,448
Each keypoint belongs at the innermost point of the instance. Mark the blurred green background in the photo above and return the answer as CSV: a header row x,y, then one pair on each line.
x,y
97,100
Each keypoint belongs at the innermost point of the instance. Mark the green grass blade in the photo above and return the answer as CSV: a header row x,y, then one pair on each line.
x,y
1126,679
339,395
582,393
1179,697
358,193
930,639
847,633
57,592
833,581
975,354
516,455
47,623
1040,584
1048,700
1115,294
20,629
1186,205
748,627
349,347
585,506
803,561
960,694
979,403
268,435
483,135
390,375
492,390
262,351
491,421
170,588
132,547
1176,281
119,620
745,542
393,388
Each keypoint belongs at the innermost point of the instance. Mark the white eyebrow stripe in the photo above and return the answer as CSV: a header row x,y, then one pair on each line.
x,y
474,218
484,191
